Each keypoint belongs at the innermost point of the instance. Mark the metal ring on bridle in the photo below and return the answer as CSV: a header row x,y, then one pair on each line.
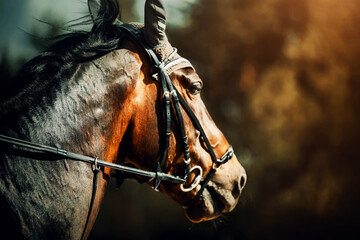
x,y
196,181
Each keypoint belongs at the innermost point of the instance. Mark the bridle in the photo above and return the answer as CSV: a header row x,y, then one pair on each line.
x,y
168,89
168,92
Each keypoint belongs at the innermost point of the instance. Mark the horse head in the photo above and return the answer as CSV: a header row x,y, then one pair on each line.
x,y
121,93
203,197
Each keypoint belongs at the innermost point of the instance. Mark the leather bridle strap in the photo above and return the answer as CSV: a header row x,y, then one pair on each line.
x,y
216,162
198,126
168,89
167,110
164,78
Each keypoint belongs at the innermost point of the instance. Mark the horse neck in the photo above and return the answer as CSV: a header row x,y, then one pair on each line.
x,y
87,114
83,107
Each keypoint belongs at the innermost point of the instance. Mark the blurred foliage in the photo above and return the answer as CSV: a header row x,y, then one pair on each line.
x,y
282,79
128,13
38,38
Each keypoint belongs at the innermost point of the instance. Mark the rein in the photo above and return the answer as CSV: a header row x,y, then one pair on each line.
x,y
95,161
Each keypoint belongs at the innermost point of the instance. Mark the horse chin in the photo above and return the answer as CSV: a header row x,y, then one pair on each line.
x,y
212,203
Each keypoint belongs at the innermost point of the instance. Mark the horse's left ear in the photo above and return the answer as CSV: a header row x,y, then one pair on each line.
x,y
94,8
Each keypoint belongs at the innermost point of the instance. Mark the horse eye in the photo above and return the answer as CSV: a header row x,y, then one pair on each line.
x,y
195,88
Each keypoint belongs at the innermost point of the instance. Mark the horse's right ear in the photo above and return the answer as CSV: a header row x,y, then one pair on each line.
x,y
94,8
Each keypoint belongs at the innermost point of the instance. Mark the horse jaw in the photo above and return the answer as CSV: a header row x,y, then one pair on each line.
x,y
221,194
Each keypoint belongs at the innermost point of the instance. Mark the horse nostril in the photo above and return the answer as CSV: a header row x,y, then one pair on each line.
x,y
239,186
236,190
242,181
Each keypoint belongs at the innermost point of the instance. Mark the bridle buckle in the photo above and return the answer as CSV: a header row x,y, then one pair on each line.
x,y
226,157
96,167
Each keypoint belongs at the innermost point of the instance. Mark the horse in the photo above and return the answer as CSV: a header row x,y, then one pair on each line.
x,y
95,94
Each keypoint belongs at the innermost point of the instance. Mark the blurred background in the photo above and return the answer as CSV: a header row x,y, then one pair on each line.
x,y
281,80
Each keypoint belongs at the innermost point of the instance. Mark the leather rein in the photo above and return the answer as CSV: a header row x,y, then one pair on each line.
x,y
168,90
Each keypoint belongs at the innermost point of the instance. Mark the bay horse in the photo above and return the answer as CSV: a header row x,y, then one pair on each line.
x,y
97,94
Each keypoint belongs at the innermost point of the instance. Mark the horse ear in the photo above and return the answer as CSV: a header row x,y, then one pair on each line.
x,y
94,9
155,22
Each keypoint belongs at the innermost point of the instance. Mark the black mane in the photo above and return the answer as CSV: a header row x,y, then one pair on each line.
x,y
61,58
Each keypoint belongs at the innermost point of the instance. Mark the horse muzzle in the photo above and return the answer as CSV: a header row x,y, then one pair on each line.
x,y
221,193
